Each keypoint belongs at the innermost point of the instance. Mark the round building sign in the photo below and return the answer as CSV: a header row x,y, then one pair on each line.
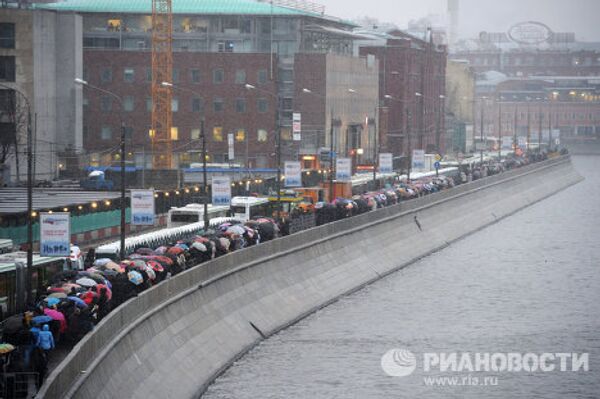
x,y
530,32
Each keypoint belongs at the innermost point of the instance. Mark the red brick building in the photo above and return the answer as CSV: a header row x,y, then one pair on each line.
x,y
212,86
407,66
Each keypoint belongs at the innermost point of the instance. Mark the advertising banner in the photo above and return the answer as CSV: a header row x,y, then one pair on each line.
x,y
343,169
297,126
142,207
507,142
385,163
293,174
230,152
55,234
418,160
221,190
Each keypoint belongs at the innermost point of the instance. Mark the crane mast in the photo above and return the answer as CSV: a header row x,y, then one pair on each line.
x,y
162,71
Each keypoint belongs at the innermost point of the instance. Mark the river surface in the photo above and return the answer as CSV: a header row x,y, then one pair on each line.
x,y
528,284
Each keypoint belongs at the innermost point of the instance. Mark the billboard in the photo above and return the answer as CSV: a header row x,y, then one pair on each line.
x,y
418,159
230,150
142,207
293,174
296,126
385,163
55,234
343,169
221,190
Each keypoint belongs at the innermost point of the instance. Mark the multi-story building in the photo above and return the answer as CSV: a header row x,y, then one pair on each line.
x,y
234,63
460,102
568,107
40,52
411,88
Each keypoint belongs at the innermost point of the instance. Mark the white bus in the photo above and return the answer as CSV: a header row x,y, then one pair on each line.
x,y
194,213
246,208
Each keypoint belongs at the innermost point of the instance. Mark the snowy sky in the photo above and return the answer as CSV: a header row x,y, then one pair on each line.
x,y
579,16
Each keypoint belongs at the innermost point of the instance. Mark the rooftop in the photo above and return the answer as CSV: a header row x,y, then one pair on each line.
x,y
214,7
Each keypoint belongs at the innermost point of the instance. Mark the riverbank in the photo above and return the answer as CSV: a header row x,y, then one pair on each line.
x,y
150,346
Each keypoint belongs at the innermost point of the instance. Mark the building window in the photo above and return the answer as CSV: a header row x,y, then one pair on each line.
x,y
7,68
218,76
128,75
106,103
175,75
106,75
195,134
174,133
174,105
262,135
262,76
195,76
218,105
128,103
262,105
7,35
197,104
85,102
240,135
149,104
240,76
149,75
240,105
106,133
217,133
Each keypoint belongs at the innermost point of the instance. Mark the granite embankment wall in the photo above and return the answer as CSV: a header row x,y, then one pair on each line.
x,y
173,340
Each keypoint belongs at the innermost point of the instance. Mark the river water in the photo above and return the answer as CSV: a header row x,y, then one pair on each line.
x,y
528,284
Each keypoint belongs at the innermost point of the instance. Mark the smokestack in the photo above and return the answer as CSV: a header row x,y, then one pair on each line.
x,y
453,6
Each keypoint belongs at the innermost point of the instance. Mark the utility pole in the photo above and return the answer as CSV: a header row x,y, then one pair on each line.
x,y
331,160
528,128
550,126
515,127
204,174
375,151
123,200
540,128
409,139
481,132
499,130
29,286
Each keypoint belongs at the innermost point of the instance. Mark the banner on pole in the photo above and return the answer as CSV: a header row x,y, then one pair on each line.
x,y
142,207
297,126
507,142
418,160
343,169
230,152
293,174
55,234
385,163
221,190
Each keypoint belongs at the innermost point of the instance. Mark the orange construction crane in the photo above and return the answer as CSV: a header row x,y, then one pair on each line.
x,y
162,71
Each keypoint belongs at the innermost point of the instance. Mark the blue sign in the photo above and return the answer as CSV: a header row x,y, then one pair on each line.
x,y
293,174
142,207
437,164
221,190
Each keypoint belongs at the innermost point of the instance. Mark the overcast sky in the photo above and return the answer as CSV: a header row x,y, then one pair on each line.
x,y
579,16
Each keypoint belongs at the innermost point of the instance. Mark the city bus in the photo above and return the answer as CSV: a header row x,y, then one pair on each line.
x,y
246,208
194,213
13,274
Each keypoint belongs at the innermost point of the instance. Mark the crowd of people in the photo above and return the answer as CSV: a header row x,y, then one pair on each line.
x,y
76,300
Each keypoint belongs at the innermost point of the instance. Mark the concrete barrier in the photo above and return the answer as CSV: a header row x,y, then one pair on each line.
x,y
173,340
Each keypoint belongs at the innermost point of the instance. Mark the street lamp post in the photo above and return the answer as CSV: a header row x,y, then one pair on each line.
x,y
203,138
28,285
408,129
500,128
122,150
439,125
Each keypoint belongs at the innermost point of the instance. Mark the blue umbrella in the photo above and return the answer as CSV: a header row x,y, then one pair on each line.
x,y
78,301
52,301
41,319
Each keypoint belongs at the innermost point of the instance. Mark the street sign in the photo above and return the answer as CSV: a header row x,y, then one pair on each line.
x,y
55,234
385,163
221,190
438,157
142,207
418,159
437,165
293,174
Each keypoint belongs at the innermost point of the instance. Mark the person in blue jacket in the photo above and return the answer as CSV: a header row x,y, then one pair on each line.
x,y
45,340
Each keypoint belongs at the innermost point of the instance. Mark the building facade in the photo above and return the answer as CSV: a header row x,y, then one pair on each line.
x,y
234,65
40,52
412,88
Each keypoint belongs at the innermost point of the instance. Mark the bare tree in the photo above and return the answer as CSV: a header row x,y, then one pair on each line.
x,y
13,122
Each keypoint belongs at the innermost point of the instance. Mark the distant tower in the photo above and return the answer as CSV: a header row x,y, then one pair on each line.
x,y
453,6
